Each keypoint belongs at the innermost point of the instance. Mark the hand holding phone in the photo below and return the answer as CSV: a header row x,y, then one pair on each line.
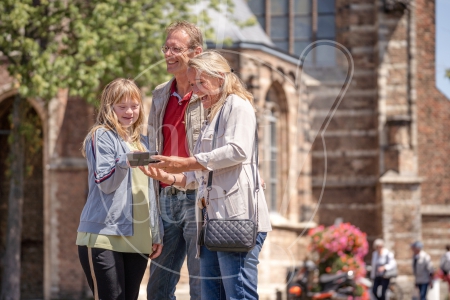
x,y
136,159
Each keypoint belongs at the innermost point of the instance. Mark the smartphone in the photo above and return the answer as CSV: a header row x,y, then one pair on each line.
x,y
141,158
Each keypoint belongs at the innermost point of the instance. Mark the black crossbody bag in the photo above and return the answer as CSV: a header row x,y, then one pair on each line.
x,y
230,235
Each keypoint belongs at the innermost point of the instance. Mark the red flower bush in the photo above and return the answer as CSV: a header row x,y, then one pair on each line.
x,y
342,239
340,248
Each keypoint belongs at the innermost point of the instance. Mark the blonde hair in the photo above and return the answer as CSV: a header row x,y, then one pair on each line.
x,y
194,33
113,93
213,64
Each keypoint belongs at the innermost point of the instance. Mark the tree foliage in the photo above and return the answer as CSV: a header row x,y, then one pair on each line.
x,y
81,45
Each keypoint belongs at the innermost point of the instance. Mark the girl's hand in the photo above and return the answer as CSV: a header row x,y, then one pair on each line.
x,y
156,248
155,173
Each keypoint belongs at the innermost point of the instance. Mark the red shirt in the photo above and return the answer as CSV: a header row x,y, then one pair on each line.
x,y
173,128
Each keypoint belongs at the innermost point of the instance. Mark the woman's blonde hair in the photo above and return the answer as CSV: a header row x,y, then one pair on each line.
x,y
213,64
113,93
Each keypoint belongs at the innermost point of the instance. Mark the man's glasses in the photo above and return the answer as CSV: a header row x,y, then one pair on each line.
x,y
174,50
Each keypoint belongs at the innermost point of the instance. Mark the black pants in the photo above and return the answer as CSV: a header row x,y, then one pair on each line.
x,y
384,285
113,275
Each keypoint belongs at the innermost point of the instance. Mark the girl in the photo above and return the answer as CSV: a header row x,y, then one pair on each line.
x,y
235,192
120,226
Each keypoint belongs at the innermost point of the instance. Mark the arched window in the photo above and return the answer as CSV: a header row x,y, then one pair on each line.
x,y
272,148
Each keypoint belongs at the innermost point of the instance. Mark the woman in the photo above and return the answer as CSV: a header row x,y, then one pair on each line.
x,y
225,275
120,224
382,261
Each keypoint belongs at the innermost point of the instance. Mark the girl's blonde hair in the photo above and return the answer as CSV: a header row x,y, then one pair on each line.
x,y
113,93
213,64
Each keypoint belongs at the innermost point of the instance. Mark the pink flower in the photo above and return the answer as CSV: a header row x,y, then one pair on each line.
x,y
344,242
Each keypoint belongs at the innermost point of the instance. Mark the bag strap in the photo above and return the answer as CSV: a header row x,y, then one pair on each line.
x,y
214,141
255,155
210,175
255,151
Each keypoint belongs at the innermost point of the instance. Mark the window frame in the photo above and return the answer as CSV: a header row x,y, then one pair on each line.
x,y
314,15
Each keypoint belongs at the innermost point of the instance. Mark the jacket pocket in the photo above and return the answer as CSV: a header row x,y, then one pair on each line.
x,y
206,141
209,133
228,205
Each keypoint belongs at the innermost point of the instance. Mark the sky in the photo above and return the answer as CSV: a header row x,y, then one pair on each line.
x,y
443,45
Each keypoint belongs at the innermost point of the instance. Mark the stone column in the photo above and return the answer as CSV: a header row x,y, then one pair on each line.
x,y
399,186
400,216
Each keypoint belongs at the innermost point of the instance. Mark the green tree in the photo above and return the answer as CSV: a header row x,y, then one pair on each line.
x,y
77,45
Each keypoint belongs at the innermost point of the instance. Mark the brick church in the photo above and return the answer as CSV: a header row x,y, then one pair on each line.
x,y
352,129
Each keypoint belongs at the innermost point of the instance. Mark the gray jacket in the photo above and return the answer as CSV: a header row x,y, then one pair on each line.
x,y
193,119
444,264
109,206
424,268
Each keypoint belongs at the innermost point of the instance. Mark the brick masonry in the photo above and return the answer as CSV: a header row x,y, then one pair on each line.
x,y
71,192
432,114
433,121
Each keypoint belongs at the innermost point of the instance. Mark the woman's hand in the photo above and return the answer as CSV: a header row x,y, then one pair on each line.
x,y
176,164
155,173
156,248
161,175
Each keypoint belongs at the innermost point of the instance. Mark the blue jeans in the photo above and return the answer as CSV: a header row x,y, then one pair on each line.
x,y
423,288
180,240
230,275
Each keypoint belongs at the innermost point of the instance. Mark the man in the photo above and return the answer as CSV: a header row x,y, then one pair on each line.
x,y
422,269
175,120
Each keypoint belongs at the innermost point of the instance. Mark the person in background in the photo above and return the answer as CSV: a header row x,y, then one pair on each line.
x,y
120,225
422,269
445,266
235,192
174,123
382,261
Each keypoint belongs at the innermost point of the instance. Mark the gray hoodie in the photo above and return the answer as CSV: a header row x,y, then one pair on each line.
x,y
109,206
